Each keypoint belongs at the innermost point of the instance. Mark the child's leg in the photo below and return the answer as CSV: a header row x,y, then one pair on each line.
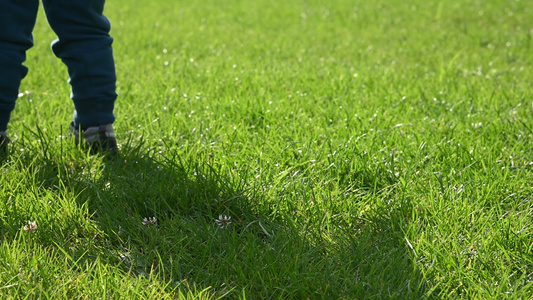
x,y
84,45
17,19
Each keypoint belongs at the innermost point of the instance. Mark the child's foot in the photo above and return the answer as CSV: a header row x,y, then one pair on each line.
x,y
98,139
4,140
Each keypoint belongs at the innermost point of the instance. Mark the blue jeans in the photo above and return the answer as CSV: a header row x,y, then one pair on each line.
x,y
83,44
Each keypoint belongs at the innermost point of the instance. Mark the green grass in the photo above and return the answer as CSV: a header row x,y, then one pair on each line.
x,y
367,149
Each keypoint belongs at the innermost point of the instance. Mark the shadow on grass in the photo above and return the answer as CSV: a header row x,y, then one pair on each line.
x,y
259,255
271,257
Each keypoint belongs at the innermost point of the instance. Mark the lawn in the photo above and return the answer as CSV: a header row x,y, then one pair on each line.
x,y
270,149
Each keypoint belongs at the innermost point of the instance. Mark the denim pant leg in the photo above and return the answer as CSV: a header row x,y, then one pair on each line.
x,y
17,19
84,45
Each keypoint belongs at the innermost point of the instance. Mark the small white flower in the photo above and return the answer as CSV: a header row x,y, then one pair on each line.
x,y
31,226
149,221
223,221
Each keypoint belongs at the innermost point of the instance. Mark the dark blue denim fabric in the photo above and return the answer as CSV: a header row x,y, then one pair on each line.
x,y
83,44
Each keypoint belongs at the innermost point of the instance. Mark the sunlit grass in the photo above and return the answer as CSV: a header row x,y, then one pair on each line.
x,y
361,150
